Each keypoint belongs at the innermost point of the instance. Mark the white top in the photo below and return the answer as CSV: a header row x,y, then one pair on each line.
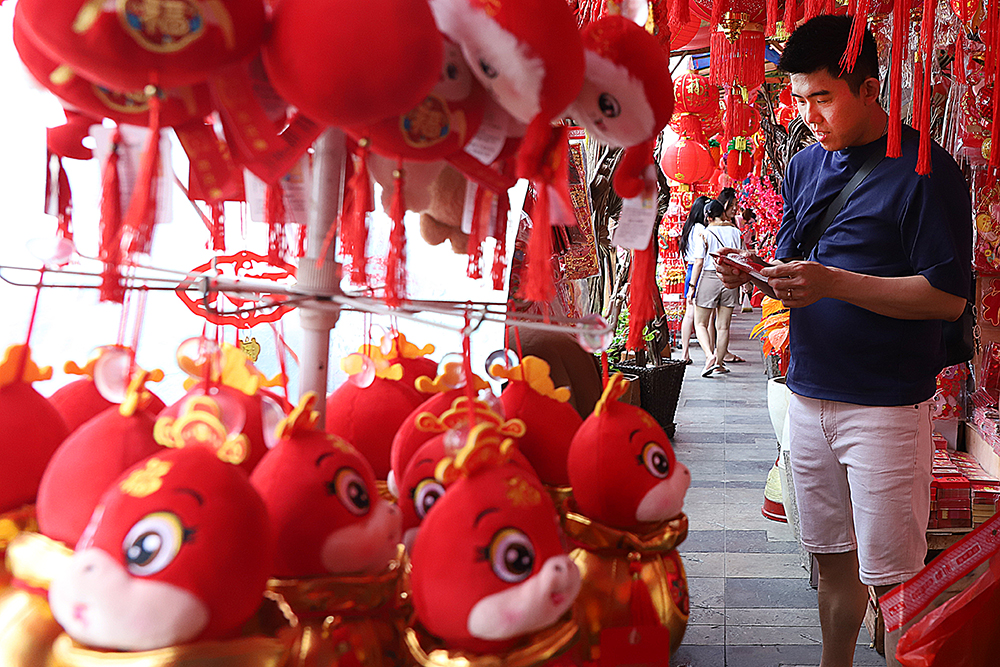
x,y
694,239
713,239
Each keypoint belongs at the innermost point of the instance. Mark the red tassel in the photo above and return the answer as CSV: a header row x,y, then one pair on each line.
x,y
274,216
718,8
857,35
680,14
538,285
958,65
642,611
789,18
641,308
772,17
900,34
111,227
927,48
354,222
141,215
740,63
500,249
480,218
218,227
300,247
395,275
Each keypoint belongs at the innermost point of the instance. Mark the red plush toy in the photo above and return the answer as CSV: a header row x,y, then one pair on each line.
x,y
179,550
81,399
30,428
368,416
237,387
90,459
627,522
550,421
129,44
627,97
352,63
320,492
395,349
490,578
443,390
338,562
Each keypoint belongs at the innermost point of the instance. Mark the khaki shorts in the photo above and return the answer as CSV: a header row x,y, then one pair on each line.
x,y
711,293
862,479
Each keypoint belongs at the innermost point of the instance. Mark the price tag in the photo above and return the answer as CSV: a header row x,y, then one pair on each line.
x,y
490,138
295,185
636,223
645,646
134,140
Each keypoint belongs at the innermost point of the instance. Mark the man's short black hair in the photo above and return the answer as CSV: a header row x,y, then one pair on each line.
x,y
820,42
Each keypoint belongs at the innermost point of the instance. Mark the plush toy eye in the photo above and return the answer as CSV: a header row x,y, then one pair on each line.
x,y
656,460
512,555
488,69
451,71
426,493
351,489
153,543
609,105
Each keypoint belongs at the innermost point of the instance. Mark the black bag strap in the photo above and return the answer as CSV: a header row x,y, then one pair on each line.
x,y
813,235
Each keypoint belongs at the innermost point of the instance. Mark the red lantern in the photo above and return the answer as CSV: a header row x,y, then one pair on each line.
x,y
687,161
743,119
694,94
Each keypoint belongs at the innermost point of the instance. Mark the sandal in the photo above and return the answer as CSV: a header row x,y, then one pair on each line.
x,y
735,360
719,368
707,373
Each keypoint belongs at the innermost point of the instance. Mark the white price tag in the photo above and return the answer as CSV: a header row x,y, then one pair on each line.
x,y
490,138
134,141
295,185
636,222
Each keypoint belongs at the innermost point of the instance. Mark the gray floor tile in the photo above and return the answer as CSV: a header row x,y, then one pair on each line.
x,y
772,566
769,593
705,635
755,541
704,540
699,656
704,564
772,617
707,592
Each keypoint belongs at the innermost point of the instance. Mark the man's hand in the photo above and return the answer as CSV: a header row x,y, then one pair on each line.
x,y
731,277
799,283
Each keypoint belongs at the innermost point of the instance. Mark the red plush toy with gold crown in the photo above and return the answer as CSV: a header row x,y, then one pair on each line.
x,y
420,489
30,428
394,348
442,390
178,550
338,565
550,421
626,520
369,407
228,377
92,457
490,579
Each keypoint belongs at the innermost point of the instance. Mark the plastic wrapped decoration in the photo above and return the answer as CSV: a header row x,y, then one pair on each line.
x,y
626,521
506,605
338,569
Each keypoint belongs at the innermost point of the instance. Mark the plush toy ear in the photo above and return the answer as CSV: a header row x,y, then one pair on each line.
x,y
351,63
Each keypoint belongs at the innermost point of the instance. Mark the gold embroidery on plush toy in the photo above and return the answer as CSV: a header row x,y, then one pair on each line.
x,y
162,26
148,480
521,494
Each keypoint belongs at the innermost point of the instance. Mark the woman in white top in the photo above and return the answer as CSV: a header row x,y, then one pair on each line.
x,y
711,294
690,237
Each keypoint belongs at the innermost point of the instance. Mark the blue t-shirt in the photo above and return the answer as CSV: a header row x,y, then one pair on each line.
x,y
896,223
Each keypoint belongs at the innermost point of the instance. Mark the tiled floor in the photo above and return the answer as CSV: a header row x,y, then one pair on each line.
x,y
751,602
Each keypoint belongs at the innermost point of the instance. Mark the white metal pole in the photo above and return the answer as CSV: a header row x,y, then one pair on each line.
x,y
327,187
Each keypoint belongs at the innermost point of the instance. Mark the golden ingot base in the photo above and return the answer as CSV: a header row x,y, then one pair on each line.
x,y
537,650
606,556
244,652
342,620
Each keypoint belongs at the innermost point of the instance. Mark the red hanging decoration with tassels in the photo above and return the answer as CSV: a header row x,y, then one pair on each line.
x,y
480,219
395,267
111,227
738,61
789,17
680,14
141,215
858,26
772,8
538,285
500,249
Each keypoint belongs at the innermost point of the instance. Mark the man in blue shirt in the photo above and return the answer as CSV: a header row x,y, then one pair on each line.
x,y
867,306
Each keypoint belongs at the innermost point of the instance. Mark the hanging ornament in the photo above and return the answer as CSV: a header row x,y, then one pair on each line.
x,y
687,161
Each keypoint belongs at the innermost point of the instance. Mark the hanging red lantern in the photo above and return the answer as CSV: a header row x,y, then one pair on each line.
x,y
695,95
743,118
973,15
687,161
739,158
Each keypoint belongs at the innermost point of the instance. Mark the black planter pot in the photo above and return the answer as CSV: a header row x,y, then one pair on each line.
x,y
659,390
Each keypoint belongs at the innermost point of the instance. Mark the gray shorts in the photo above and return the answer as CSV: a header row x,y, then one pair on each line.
x,y
711,293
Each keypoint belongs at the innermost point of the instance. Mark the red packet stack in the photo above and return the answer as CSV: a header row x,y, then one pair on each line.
x,y
940,442
951,495
985,487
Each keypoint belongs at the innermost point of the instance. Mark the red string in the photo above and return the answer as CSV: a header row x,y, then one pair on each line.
x,y
470,385
23,362
604,368
900,31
